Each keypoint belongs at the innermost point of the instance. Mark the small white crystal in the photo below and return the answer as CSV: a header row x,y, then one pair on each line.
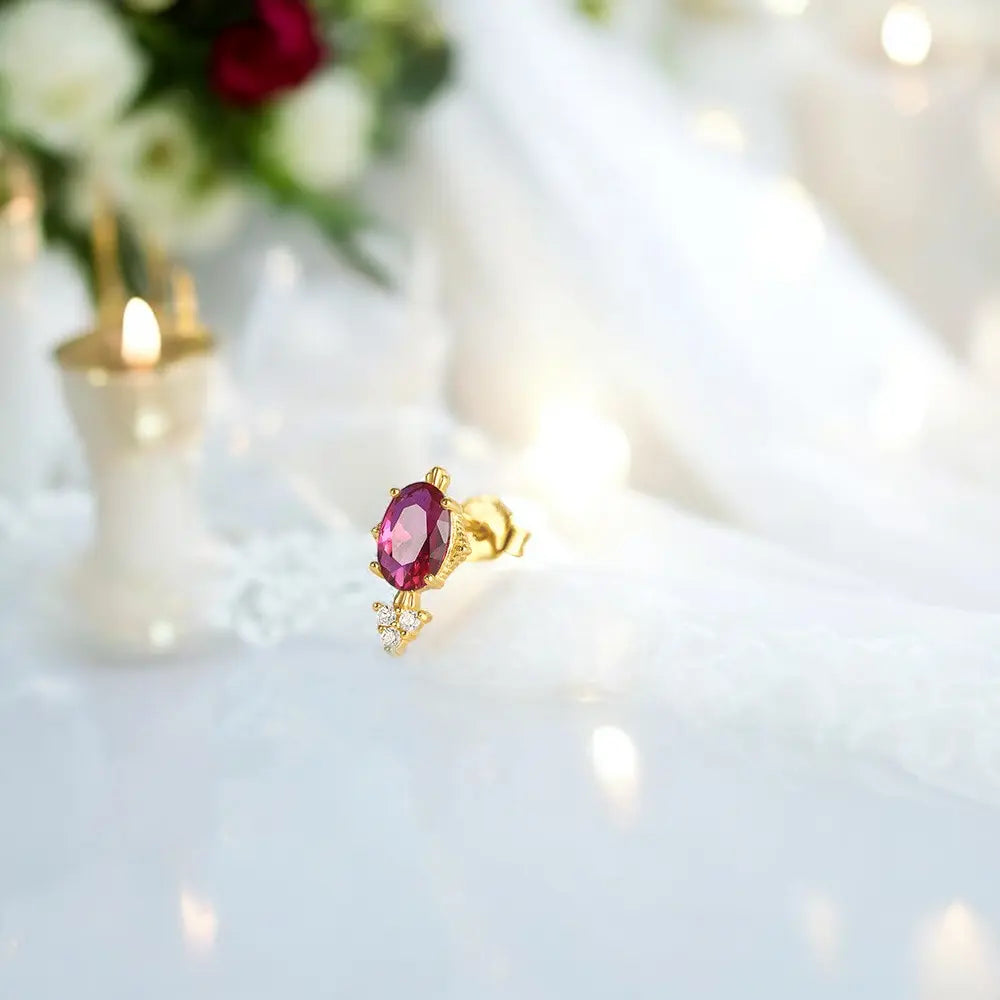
x,y
385,616
390,639
409,621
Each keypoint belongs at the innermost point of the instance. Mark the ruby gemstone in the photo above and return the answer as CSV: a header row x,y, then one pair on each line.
x,y
413,537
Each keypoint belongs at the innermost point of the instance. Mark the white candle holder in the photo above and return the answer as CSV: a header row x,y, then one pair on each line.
x,y
142,434
141,419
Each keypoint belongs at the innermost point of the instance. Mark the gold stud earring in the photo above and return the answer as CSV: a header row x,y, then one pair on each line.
x,y
423,537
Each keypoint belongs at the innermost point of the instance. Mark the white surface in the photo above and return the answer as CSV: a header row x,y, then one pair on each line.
x,y
321,820
326,821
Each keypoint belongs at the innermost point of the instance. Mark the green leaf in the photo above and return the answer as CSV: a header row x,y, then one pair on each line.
x,y
423,69
341,218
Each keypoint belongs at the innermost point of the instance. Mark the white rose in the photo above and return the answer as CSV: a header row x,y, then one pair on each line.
x,y
151,165
67,68
320,134
146,158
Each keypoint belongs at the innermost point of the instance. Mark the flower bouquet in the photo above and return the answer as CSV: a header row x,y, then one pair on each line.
x,y
176,111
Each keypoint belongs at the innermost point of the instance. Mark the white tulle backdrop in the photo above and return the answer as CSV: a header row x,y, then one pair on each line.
x,y
697,738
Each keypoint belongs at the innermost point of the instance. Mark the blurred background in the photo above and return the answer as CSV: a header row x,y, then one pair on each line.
x,y
706,290
884,112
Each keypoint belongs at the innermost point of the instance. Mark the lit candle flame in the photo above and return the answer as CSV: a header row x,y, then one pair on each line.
x,y
907,35
140,335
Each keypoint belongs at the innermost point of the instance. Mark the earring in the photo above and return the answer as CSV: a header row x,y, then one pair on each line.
x,y
424,536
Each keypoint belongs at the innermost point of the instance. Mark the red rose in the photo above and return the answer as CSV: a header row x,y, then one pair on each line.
x,y
275,51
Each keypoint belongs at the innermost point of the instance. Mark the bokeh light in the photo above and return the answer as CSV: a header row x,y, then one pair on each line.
x,y
907,35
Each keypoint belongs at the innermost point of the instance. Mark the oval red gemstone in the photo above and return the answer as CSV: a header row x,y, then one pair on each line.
x,y
413,537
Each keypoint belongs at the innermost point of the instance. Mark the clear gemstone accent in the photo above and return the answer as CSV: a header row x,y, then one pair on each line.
x,y
385,616
409,621
390,639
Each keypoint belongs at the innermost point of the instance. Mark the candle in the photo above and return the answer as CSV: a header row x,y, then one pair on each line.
x,y
141,340
139,398
41,296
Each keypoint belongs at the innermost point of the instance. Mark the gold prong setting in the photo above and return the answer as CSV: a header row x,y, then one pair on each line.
x,y
438,477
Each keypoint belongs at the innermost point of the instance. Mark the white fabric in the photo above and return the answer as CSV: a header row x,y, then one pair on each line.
x,y
717,629
589,249
586,235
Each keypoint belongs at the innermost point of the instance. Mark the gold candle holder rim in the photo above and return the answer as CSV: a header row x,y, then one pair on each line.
x,y
93,351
